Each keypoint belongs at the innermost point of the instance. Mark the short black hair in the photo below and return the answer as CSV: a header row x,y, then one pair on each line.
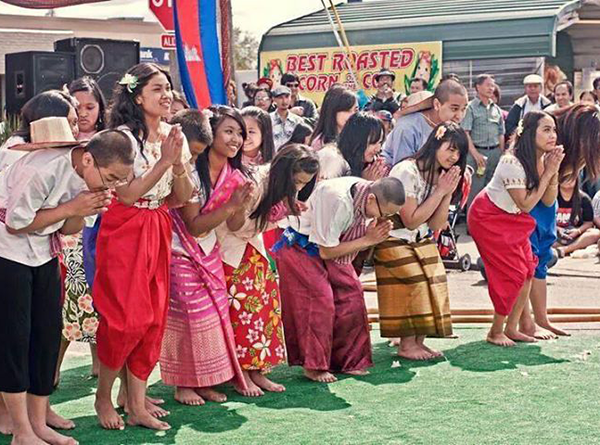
x,y
569,86
195,126
389,190
479,80
448,88
289,77
421,80
110,146
596,83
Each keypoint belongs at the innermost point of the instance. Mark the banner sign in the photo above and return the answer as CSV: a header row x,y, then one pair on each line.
x,y
319,68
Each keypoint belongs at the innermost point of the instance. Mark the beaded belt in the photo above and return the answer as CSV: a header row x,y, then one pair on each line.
x,y
150,204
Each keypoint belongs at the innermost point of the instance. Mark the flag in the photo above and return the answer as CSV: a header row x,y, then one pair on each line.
x,y
203,41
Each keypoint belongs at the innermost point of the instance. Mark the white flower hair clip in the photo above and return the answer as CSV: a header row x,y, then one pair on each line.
x,y
129,81
208,113
520,128
441,131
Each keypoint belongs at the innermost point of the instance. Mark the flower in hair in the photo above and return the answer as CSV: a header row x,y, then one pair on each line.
x,y
208,113
520,128
441,131
129,81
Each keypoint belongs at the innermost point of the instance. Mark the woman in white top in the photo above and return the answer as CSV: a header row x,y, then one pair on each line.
x,y
131,289
255,305
501,225
411,279
356,152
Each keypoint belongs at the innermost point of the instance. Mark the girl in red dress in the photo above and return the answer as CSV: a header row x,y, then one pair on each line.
x,y
131,286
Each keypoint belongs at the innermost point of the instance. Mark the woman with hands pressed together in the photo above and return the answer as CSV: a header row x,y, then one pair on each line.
x,y
131,287
411,279
500,222
199,350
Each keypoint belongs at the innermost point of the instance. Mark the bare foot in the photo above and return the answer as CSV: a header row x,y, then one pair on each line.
x,y
27,439
252,391
542,334
414,352
394,342
264,383
122,400
187,396
50,436
108,417
320,376
53,420
155,410
519,336
357,372
433,352
554,329
499,340
147,420
151,405
211,395
5,423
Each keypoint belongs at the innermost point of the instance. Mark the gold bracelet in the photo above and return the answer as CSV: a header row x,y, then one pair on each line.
x,y
180,175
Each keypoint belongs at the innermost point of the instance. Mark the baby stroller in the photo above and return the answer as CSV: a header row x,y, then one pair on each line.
x,y
447,238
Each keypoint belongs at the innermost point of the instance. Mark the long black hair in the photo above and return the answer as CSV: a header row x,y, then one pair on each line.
x,y
578,131
267,146
88,85
123,108
300,133
453,134
525,147
290,160
337,99
52,103
360,131
217,115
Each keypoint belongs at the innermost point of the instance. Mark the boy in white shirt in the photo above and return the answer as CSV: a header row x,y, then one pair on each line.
x,y
46,192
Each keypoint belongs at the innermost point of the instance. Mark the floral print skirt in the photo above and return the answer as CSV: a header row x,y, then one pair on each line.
x,y
80,320
255,312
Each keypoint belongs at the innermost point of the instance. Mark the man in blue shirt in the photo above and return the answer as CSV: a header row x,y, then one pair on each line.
x,y
449,103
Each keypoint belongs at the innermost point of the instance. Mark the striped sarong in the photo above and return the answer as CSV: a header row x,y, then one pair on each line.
x,y
412,289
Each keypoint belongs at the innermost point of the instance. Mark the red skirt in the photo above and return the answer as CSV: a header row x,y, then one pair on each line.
x,y
502,239
131,286
324,313
255,312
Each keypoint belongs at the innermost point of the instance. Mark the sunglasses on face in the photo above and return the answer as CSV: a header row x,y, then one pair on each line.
x,y
292,85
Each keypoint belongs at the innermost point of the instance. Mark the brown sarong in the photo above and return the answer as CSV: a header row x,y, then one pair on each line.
x,y
412,289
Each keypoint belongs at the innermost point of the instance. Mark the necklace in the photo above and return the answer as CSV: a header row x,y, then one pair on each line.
x,y
429,121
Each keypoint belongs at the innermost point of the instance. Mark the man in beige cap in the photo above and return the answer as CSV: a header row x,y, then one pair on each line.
x,y
532,100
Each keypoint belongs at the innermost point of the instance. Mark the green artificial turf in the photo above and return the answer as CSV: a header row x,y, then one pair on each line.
x,y
545,393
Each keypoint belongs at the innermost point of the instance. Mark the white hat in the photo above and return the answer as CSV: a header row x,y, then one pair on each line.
x,y
533,78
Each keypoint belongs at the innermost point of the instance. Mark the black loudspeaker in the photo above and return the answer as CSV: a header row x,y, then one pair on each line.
x,y
33,72
102,59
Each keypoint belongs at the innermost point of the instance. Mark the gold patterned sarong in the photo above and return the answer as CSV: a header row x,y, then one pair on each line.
x,y
412,289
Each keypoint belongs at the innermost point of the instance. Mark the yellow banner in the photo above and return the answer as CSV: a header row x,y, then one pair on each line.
x,y
319,68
